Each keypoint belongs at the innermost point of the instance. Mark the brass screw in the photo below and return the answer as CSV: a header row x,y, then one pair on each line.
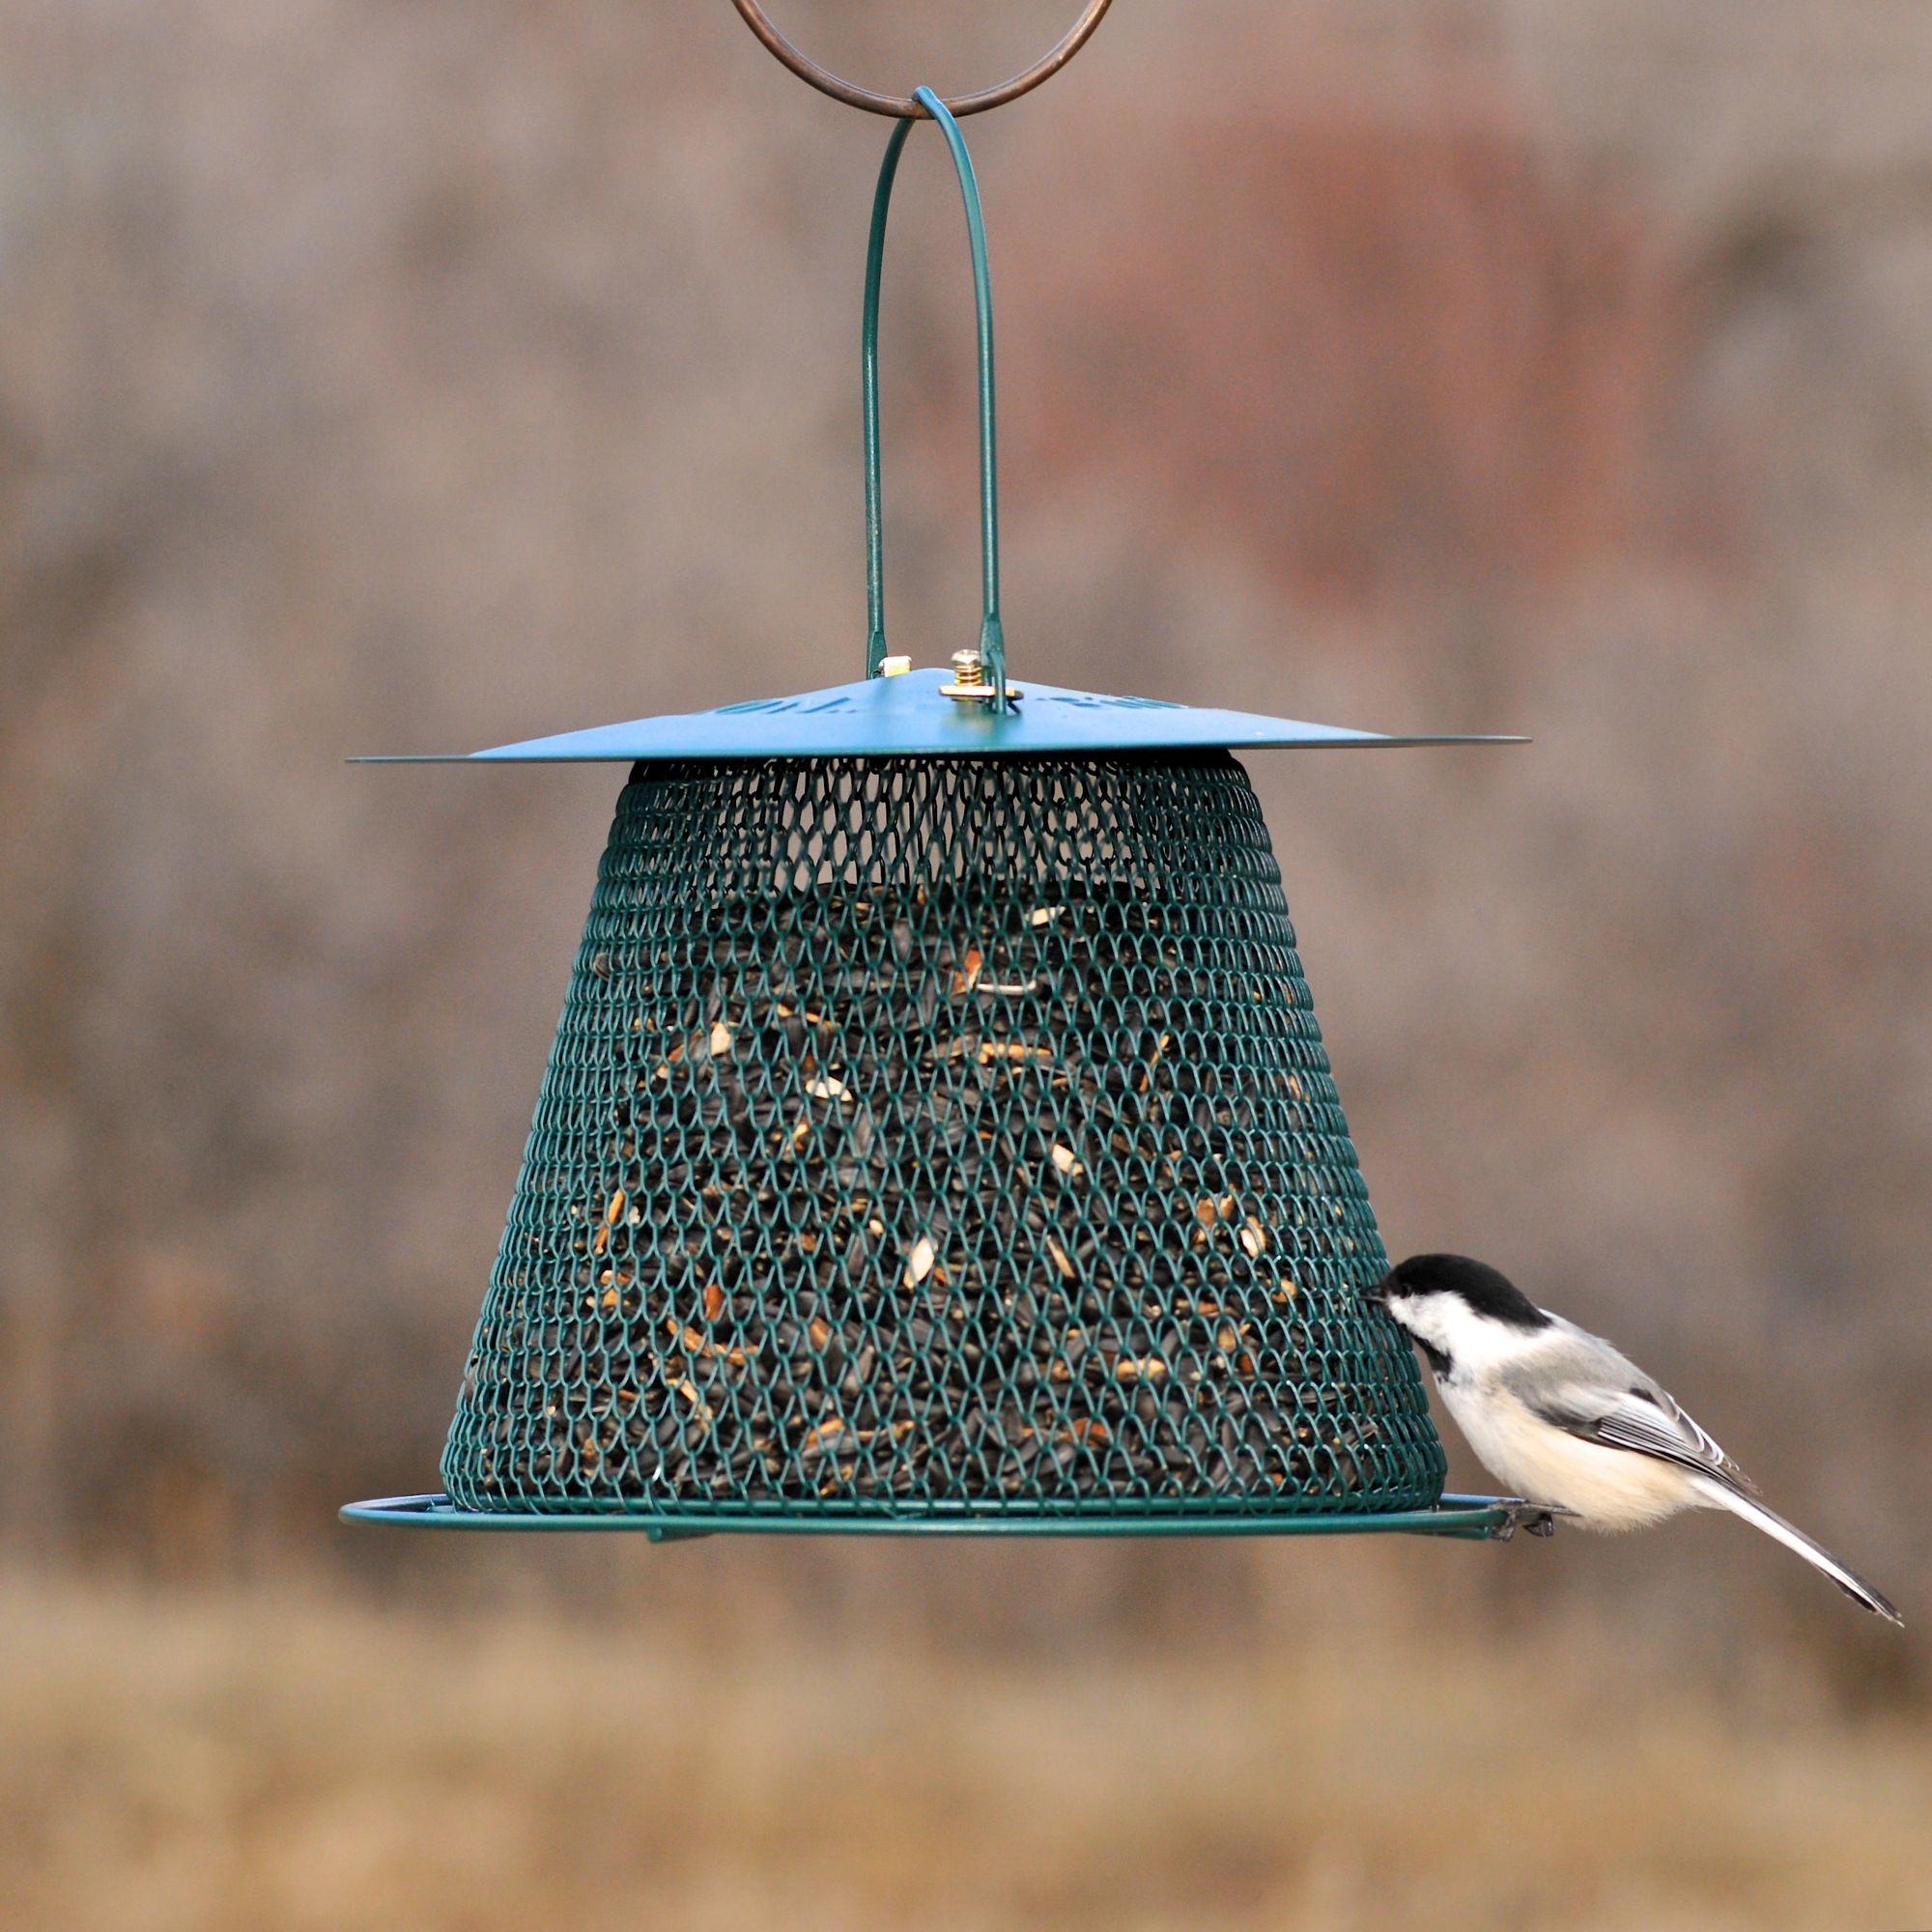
x,y
969,680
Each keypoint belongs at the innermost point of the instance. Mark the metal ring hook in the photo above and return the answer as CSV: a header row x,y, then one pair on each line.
x,y
906,107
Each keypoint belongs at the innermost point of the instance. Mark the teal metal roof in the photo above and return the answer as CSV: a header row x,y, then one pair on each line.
x,y
893,717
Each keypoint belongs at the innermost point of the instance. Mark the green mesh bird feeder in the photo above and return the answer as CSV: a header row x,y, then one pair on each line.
x,y
938,1136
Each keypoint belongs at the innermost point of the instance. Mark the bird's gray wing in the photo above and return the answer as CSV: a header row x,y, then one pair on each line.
x,y
1711,1454
1587,1389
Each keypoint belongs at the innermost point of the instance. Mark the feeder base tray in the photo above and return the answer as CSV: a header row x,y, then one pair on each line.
x,y
1470,1518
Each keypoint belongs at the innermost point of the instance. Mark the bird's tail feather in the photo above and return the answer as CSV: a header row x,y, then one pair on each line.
x,y
1773,1524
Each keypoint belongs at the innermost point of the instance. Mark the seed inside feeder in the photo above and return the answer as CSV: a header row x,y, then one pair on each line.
x,y
975,1197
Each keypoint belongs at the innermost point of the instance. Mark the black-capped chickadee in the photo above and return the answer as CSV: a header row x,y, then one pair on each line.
x,y
1562,1418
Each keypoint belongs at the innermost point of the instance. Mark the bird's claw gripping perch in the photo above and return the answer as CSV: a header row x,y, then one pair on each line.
x,y
1534,1519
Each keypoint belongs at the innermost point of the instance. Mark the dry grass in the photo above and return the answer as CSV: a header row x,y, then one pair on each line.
x,y
267,1762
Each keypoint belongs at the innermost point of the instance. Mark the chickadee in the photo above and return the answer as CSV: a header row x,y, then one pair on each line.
x,y
1562,1418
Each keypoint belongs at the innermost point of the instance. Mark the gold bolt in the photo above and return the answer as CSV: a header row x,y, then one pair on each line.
x,y
969,680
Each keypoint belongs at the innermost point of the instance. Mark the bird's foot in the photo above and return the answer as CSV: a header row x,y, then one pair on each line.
x,y
1536,1518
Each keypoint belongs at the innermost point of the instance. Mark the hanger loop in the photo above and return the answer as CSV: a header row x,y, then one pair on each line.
x,y
992,636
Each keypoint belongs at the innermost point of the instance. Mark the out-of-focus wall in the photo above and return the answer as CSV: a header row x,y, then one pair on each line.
x,y
380,378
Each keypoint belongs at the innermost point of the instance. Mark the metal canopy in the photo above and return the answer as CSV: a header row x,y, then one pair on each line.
x,y
891,717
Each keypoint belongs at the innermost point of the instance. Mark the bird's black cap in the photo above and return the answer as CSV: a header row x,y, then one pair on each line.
x,y
1484,1289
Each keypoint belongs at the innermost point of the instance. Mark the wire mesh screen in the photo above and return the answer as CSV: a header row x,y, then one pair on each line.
x,y
939,1136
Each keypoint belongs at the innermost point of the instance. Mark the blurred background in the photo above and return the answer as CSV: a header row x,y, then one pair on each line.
x,y
380,377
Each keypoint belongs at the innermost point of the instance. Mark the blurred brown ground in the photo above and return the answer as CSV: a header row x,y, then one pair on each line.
x,y
380,377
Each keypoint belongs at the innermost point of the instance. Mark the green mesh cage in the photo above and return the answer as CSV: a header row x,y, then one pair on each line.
x,y
938,1138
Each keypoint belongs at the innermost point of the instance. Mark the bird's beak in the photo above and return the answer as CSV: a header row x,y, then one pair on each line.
x,y
1377,1295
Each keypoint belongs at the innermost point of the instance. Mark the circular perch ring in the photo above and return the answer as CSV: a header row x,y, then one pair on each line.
x,y
902,106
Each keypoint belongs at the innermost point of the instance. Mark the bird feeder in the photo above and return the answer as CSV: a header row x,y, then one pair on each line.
x,y
938,1136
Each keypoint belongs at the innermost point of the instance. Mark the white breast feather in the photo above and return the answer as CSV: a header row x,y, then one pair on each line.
x,y
1609,1489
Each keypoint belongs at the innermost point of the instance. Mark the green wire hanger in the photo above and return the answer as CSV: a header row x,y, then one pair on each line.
x,y
992,636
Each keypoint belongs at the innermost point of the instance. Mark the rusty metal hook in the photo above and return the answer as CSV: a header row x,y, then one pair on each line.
x,y
902,106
